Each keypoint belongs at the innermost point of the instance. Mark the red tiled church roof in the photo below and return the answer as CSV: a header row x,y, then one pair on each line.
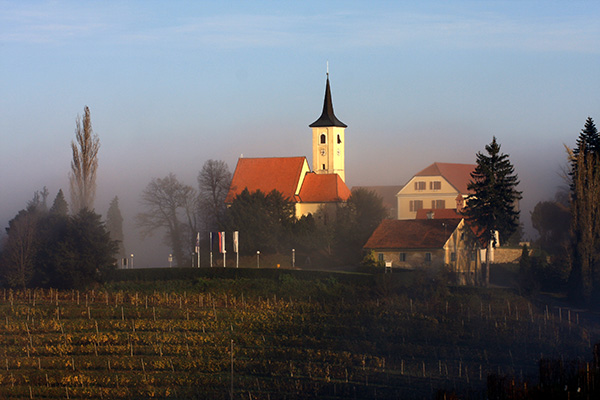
x,y
267,174
458,175
322,188
412,234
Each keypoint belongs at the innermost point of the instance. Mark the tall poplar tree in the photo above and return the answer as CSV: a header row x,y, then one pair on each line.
x,y
492,204
84,164
584,278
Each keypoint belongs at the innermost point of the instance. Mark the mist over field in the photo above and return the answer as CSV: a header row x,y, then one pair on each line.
x,y
171,87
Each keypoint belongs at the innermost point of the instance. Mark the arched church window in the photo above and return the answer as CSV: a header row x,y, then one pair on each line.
x,y
339,139
323,138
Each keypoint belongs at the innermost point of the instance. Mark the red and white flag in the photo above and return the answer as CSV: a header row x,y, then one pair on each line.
x,y
221,242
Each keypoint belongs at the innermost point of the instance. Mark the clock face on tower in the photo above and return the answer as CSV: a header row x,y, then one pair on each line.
x,y
323,152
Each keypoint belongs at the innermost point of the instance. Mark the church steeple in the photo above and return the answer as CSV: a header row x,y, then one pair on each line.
x,y
328,140
328,117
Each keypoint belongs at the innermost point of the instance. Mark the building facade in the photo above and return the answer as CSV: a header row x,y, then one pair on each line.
x,y
439,186
429,244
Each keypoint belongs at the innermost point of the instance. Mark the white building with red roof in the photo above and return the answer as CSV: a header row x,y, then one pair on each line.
x,y
429,244
439,186
307,189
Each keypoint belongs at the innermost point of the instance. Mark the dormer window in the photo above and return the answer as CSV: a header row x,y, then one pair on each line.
x,y
420,185
323,138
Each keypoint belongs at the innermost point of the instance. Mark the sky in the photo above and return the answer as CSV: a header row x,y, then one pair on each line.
x,y
171,84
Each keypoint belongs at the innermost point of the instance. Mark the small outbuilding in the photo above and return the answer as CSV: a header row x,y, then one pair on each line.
x,y
429,244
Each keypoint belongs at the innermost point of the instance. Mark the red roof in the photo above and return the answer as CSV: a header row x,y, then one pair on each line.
x,y
267,174
322,188
412,234
458,175
438,213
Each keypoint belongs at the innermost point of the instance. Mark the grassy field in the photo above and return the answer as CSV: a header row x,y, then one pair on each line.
x,y
276,334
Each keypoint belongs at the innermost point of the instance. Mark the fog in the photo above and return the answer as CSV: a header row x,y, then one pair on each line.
x,y
373,158
169,89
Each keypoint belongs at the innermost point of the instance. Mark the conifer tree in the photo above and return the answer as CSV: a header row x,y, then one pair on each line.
x,y
584,278
60,206
265,221
492,206
114,225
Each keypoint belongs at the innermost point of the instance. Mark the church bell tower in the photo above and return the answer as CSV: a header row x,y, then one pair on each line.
x,y
328,140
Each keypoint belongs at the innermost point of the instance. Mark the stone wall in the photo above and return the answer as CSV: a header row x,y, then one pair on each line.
x,y
507,255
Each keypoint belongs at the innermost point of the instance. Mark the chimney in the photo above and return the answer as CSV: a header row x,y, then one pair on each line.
x,y
460,203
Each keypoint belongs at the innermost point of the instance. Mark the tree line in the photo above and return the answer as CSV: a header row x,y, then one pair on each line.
x,y
47,247
50,247
266,222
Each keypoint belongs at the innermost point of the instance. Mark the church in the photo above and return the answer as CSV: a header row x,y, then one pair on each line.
x,y
309,189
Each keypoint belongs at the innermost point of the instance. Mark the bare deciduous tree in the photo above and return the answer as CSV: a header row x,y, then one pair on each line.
x,y
84,164
213,182
168,205
20,249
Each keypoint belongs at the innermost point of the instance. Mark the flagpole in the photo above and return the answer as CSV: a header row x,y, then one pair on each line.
x,y
210,240
223,248
198,248
236,249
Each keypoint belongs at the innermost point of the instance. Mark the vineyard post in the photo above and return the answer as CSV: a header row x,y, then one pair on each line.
x,y
559,314
231,390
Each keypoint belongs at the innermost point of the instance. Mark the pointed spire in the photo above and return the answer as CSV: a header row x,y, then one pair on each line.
x,y
327,117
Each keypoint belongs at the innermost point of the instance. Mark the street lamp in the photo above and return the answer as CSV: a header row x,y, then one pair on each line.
x,y
131,266
293,258
170,260
257,259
